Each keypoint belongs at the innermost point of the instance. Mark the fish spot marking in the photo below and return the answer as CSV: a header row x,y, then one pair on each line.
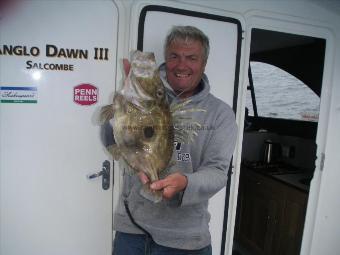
x,y
149,132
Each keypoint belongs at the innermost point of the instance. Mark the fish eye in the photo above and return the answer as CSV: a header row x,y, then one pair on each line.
x,y
148,132
160,93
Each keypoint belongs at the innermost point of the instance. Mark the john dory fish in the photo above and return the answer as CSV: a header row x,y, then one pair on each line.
x,y
143,121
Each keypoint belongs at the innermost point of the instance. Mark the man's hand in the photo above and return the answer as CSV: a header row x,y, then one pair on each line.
x,y
170,185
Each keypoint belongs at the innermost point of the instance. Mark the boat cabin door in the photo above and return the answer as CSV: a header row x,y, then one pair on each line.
x,y
57,68
224,32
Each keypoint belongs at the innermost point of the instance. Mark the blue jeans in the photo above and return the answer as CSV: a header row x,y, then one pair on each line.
x,y
131,244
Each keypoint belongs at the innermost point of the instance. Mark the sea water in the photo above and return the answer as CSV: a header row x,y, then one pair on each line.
x,y
281,95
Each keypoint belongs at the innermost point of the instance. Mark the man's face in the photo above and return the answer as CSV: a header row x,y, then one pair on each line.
x,y
185,65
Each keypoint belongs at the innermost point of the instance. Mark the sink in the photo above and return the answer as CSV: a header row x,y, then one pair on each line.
x,y
305,181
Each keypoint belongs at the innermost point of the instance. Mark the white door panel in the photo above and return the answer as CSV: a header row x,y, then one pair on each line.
x,y
48,147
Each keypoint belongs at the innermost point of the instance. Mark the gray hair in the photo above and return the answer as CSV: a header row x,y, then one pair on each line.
x,y
187,33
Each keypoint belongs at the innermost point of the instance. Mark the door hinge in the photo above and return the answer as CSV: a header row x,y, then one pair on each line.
x,y
322,161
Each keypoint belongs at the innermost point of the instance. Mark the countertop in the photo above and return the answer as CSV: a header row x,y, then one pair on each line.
x,y
298,180
289,175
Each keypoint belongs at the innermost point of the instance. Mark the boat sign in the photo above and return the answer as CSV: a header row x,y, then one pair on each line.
x,y
85,94
19,94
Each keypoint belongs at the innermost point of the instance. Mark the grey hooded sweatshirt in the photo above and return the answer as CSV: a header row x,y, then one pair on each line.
x,y
183,222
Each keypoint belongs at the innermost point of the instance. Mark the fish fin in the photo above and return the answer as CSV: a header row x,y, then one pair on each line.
x,y
180,107
185,131
171,164
106,113
114,150
153,196
163,173
127,169
175,106
185,128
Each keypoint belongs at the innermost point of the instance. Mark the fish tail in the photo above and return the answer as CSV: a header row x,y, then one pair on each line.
x,y
154,196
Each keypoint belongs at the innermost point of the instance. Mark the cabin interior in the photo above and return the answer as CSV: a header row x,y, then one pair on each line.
x,y
279,147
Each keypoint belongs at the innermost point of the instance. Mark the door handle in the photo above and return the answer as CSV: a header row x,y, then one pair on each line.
x,y
105,173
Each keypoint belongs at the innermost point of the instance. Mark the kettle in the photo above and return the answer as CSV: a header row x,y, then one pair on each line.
x,y
272,151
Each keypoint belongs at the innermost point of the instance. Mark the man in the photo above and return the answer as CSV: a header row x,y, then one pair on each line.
x,y
179,224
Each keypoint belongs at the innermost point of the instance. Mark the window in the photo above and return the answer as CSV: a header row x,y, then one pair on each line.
x,y
280,95
285,76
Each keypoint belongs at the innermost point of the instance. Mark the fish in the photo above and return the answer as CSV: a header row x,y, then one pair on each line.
x,y
144,123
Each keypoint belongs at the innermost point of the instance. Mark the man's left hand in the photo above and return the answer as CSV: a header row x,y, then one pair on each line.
x,y
171,185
